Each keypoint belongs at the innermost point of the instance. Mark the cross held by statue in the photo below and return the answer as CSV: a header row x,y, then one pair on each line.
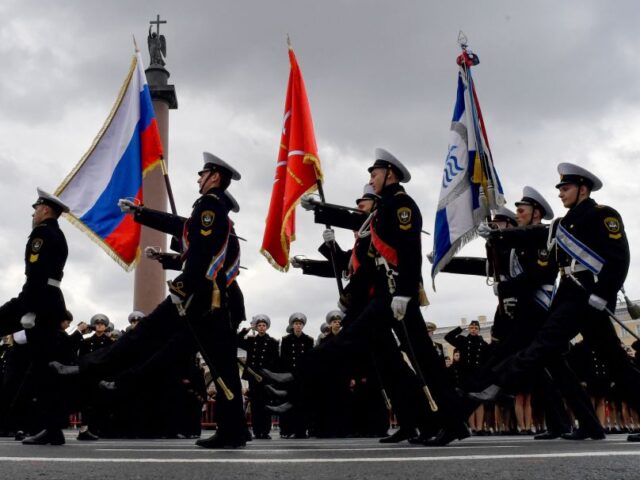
x,y
157,23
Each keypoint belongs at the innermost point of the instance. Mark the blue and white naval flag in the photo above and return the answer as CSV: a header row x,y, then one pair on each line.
x,y
470,185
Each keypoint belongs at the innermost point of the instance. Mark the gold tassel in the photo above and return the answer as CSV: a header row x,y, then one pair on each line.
x,y
422,297
215,303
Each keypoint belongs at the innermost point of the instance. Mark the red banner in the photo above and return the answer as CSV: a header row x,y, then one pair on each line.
x,y
297,170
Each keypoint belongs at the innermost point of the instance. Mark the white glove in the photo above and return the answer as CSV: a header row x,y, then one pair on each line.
x,y
20,337
295,262
152,252
127,206
399,306
509,305
329,236
484,230
430,257
495,289
175,299
28,320
598,303
306,202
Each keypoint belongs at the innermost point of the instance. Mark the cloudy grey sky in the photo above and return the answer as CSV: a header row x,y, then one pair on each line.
x,y
557,82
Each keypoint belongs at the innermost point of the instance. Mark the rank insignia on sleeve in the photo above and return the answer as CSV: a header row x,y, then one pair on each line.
x,y
36,244
205,233
33,258
404,217
612,225
207,217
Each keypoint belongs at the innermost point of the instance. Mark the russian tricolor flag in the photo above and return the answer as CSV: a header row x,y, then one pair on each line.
x,y
127,146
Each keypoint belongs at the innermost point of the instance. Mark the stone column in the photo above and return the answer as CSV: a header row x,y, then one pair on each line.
x,y
149,286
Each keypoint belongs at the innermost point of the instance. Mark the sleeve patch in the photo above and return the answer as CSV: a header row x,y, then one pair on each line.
x,y
207,217
612,224
36,244
404,215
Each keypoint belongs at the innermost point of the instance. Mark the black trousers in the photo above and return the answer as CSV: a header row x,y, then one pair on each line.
x,y
163,330
570,314
260,417
370,334
555,379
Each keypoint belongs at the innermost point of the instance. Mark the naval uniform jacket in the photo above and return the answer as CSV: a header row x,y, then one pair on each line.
x,y
600,229
174,225
531,267
292,349
395,235
262,352
204,245
93,343
45,256
591,368
474,350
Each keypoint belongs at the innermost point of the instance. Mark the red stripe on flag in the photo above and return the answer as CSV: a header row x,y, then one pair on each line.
x,y
124,240
150,145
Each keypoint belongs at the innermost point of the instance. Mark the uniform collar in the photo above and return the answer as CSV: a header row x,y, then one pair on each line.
x,y
582,207
391,189
220,196
48,221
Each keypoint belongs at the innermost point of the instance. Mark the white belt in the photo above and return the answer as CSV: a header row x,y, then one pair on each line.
x,y
577,267
380,261
53,282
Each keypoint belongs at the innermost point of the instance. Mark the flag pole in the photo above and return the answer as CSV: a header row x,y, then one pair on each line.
x,y
167,184
332,246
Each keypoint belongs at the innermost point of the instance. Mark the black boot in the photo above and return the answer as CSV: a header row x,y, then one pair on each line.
x,y
216,441
400,435
580,434
46,437
87,435
488,394
548,435
448,435
65,370
275,393
277,377
282,408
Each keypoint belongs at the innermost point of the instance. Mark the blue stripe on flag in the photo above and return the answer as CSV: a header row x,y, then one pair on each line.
x,y
104,216
442,242
458,110
146,108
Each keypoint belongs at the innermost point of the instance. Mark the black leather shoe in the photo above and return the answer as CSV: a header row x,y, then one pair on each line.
x,y
216,441
583,435
45,437
400,435
488,394
634,437
277,377
87,435
65,370
446,436
275,393
282,408
108,386
549,435
420,439
20,435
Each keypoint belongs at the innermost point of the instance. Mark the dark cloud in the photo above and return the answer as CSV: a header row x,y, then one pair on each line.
x,y
556,82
